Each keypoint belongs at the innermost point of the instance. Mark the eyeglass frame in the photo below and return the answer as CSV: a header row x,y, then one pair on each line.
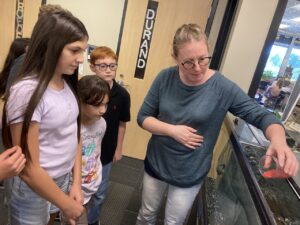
x,y
198,61
106,66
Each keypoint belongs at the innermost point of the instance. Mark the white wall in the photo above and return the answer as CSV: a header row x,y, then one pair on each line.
x,y
246,41
102,19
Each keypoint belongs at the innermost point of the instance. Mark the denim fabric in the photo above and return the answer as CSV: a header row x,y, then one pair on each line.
x,y
178,203
28,208
63,182
99,197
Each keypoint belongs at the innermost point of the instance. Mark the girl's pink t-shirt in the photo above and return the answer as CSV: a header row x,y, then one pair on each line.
x,y
57,114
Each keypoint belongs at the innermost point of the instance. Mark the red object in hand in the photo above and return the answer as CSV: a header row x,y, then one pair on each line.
x,y
275,173
270,168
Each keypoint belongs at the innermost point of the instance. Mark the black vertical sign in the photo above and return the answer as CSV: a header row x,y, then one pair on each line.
x,y
146,39
19,19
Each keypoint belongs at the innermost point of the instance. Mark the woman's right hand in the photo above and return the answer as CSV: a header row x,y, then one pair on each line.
x,y
187,136
73,210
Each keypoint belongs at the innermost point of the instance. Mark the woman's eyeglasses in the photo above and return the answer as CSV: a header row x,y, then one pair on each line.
x,y
190,64
104,66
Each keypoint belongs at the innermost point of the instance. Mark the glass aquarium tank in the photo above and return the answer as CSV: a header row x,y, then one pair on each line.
x,y
240,195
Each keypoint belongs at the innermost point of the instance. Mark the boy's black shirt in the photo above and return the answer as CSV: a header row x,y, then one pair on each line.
x,y
118,110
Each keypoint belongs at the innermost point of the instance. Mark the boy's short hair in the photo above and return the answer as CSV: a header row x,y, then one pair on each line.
x,y
101,53
92,90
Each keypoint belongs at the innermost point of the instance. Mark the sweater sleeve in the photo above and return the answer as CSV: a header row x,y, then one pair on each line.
x,y
150,106
249,110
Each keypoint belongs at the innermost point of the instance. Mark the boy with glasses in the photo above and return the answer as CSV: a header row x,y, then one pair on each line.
x,y
103,62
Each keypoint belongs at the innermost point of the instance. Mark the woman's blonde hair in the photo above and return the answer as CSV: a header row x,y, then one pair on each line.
x,y
186,33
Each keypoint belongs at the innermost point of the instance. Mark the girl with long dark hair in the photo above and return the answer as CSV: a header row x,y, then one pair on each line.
x,y
41,114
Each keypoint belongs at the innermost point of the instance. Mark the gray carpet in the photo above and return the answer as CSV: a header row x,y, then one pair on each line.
x,y
3,209
123,199
124,196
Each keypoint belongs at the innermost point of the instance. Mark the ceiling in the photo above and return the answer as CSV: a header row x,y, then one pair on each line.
x,y
292,11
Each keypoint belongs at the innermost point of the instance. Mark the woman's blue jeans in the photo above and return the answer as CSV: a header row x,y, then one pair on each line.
x,y
179,201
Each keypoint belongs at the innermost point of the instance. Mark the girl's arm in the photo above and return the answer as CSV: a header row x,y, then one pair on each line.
x,y
38,179
75,190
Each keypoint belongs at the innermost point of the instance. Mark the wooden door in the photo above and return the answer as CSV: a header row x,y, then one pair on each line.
x,y
7,27
31,11
27,12
170,15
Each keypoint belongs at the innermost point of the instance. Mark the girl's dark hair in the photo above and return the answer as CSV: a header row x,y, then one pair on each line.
x,y
17,48
50,35
92,90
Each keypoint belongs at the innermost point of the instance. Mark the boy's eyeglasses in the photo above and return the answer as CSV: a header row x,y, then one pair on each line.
x,y
104,66
190,64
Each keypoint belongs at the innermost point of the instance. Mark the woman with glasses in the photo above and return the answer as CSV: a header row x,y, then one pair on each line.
x,y
184,110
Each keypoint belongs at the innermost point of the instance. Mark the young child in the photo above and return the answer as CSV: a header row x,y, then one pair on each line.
x,y
104,63
41,114
93,93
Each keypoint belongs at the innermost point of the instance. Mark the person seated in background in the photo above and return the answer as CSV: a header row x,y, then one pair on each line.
x,y
272,94
274,90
